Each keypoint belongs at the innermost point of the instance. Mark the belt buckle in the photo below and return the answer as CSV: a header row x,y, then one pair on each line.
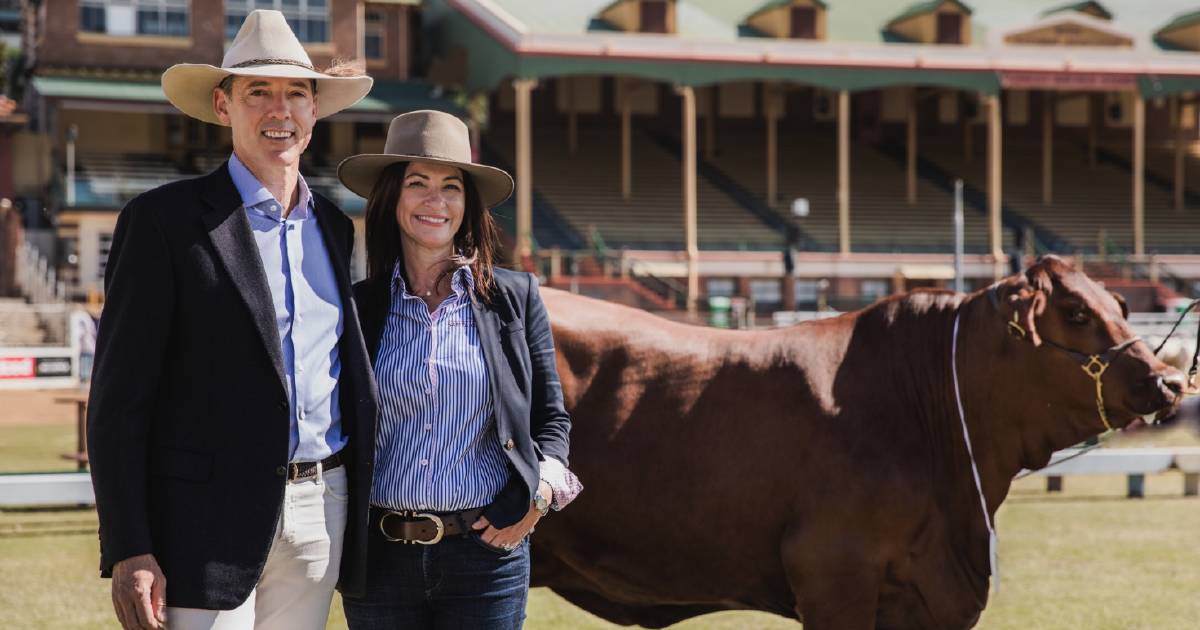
x,y
437,523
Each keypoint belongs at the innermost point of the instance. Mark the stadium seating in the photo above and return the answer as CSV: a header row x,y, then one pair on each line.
x,y
585,189
111,179
1089,203
880,218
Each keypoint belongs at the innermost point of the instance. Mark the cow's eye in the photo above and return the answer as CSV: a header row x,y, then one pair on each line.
x,y
1079,315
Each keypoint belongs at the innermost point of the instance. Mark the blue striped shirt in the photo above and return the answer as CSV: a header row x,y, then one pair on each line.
x,y
436,447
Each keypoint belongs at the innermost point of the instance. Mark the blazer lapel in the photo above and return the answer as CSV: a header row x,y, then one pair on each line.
x,y
229,231
488,324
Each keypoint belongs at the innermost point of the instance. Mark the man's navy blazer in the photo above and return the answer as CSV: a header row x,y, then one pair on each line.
x,y
188,418
514,332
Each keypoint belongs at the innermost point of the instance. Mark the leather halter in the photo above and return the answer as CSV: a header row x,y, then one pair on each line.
x,y
1094,365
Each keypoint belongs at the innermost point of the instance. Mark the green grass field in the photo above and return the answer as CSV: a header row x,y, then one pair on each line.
x,y
1085,559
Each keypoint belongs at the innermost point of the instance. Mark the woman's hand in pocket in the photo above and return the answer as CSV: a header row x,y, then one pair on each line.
x,y
510,537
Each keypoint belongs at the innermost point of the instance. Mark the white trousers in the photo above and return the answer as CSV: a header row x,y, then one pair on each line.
x,y
297,582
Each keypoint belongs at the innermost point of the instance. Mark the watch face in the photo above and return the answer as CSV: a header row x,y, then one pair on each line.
x,y
540,502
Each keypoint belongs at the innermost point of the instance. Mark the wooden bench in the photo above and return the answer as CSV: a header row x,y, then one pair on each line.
x,y
1134,463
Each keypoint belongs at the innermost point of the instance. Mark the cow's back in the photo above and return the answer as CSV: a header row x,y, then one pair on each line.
x,y
714,437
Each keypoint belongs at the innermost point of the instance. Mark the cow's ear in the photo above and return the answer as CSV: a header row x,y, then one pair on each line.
x,y
1121,301
1028,297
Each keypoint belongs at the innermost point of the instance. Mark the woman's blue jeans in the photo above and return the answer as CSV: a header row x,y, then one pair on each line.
x,y
459,583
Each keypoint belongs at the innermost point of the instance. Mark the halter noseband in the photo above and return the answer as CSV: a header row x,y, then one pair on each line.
x,y
1094,365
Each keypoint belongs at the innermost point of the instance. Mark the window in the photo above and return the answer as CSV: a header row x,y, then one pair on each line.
x,y
807,292
949,28
721,287
654,16
309,19
766,292
373,31
804,22
874,289
135,17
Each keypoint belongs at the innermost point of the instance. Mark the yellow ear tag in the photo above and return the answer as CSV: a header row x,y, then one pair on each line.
x,y
1015,328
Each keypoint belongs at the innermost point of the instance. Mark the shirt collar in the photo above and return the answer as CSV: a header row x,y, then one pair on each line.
x,y
255,195
461,281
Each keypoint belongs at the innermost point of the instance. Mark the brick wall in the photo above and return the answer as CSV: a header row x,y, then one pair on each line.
x,y
59,42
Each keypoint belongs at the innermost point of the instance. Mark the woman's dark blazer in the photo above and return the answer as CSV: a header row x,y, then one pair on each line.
x,y
514,331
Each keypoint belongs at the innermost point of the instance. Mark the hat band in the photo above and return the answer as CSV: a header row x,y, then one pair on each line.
x,y
271,62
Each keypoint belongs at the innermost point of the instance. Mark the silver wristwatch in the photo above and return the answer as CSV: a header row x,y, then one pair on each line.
x,y
541,503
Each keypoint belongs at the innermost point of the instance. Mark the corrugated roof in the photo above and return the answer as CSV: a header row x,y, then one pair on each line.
x,y
385,96
1180,21
775,4
1080,7
922,8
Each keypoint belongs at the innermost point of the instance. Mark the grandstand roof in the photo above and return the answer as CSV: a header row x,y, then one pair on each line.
x,y
1082,7
386,97
533,39
921,8
1180,21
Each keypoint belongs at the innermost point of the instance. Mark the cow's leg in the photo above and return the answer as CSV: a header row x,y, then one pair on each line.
x,y
835,585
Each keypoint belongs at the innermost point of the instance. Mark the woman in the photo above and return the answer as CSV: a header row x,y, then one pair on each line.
x,y
472,440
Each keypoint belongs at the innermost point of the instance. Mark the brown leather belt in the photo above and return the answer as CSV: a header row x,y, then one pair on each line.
x,y
412,527
307,470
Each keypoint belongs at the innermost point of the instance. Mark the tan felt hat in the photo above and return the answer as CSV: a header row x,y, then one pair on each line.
x,y
264,47
426,136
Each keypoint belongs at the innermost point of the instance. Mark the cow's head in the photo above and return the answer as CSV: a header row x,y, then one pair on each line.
x,y
1063,319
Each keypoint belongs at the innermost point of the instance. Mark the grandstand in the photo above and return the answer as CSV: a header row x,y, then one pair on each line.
x,y
843,84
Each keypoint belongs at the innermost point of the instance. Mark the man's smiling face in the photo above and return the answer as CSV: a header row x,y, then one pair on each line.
x,y
271,118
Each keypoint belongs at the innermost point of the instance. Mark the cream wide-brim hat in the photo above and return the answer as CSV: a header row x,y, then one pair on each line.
x,y
426,136
264,47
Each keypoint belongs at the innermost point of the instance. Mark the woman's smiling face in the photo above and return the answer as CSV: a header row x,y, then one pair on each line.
x,y
431,206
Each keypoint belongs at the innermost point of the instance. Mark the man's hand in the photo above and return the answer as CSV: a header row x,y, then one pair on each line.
x,y
139,593
510,537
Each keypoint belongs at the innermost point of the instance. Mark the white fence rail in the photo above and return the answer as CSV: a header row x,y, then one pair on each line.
x,y
37,277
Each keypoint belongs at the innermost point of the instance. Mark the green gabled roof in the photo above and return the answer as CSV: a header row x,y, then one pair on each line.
x,y
922,8
1080,7
1180,21
771,5
385,96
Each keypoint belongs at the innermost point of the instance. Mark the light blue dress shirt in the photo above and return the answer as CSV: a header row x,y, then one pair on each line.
x,y
436,447
308,312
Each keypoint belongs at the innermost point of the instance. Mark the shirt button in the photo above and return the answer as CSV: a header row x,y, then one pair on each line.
x,y
281,471
508,446
429,427
428,390
424,462
301,414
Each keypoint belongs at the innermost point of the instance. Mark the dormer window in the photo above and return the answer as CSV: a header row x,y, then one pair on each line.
x,y
639,16
949,28
653,16
787,19
1094,9
932,22
804,22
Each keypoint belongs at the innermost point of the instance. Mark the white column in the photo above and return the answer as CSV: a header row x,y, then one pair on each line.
x,y
994,184
1047,148
771,110
524,240
626,143
1180,142
843,167
911,147
1139,176
688,95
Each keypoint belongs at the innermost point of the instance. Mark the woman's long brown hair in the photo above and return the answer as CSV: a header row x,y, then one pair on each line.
x,y
475,242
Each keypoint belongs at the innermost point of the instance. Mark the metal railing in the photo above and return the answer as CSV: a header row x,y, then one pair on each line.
x,y
37,278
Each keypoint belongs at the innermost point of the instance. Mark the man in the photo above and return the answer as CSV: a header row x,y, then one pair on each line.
x,y
232,406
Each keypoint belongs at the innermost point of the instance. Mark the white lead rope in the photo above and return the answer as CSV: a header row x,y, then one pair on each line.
x,y
993,540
